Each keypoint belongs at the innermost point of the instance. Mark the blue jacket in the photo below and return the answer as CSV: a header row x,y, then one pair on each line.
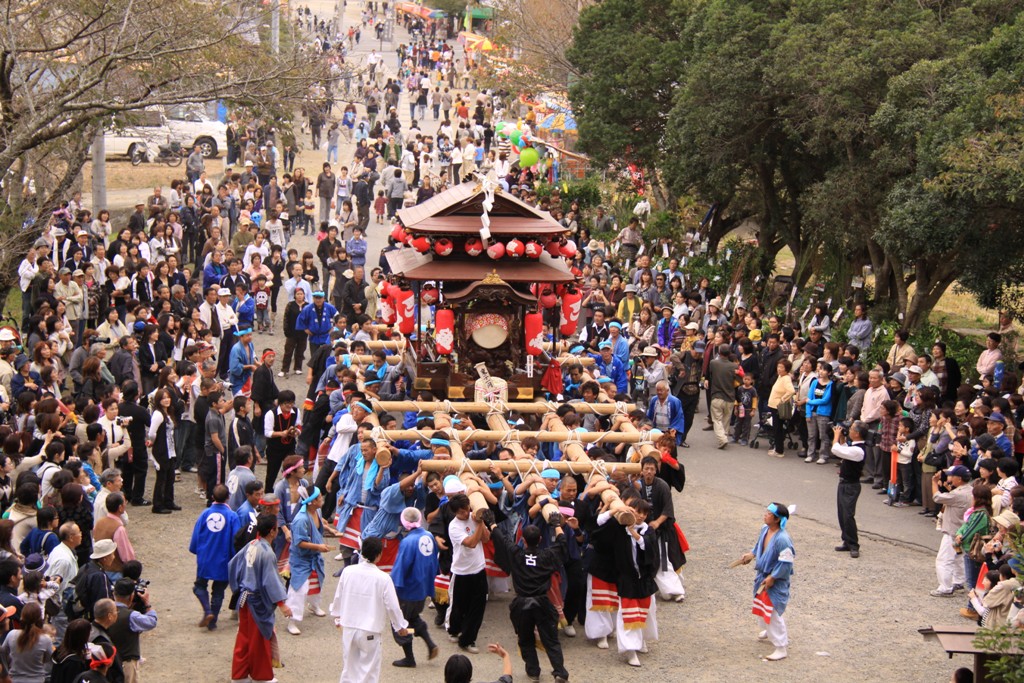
x,y
821,405
387,522
246,311
213,541
356,251
615,370
319,322
212,274
677,420
240,356
415,566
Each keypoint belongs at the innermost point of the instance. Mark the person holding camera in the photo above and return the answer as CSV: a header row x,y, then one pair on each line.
x,y
954,491
851,449
134,616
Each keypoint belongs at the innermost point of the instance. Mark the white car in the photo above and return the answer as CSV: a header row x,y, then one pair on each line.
x,y
147,128
190,126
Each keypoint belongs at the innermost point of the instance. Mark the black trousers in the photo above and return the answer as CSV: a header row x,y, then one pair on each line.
x,y
528,614
846,503
412,610
163,489
294,346
575,607
689,410
211,471
274,460
330,496
469,599
133,475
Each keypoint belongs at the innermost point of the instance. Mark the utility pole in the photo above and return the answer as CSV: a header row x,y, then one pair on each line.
x,y
99,172
275,26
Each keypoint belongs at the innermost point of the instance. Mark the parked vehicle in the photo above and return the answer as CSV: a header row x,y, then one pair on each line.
x,y
191,126
136,130
171,154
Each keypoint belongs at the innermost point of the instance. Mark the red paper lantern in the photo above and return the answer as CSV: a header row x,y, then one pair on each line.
x,y
429,295
533,326
533,250
496,250
474,246
568,249
421,244
554,247
405,311
569,320
443,246
515,248
444,331
398,233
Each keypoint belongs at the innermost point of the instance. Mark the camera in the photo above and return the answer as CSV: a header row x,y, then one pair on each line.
x,y
100,340
124,421
141,585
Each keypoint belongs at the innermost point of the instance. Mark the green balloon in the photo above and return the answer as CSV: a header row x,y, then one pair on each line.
x,y
516,134
500,127
528,157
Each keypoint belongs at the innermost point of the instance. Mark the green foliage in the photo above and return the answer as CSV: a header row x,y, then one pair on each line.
x,y
964,349
586,191
543,190
854,133
1003,638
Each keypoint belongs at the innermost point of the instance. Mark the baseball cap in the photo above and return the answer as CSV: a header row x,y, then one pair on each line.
x,y
916,369
223,291
699,346
996,417
959,471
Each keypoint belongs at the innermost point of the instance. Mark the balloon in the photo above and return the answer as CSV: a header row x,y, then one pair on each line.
x,y
528,157
515,137
500,127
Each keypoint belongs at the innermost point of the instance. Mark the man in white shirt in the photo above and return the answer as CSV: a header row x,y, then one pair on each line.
x,y
296,281
469,580
62,560
364,602
27,270
110,482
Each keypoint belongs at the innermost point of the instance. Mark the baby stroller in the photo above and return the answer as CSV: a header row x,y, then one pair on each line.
x,y
766,430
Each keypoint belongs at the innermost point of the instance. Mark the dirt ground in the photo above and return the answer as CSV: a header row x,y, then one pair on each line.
x,y
121,175
849,620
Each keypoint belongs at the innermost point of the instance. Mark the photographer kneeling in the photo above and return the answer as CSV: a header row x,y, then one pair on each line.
x,y
852,455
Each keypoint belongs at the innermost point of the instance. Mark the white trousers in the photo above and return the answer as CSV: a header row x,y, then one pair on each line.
x,y
777,633
670,584
598,624
949,567
361,651
297,599
634,638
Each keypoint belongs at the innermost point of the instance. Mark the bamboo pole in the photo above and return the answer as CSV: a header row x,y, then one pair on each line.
x,y
573,452
368,360
623,426
517,466
474,486
498,435
500,426
532,408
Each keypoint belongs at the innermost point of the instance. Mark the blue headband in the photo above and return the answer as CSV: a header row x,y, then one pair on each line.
x,y
306,501
576,349
364,406
616,324
774,509
440,442
550,473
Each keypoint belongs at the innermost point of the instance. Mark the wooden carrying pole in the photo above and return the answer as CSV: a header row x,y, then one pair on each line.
x,y
508,436
474,486
573,451
532,408
497,422
518,466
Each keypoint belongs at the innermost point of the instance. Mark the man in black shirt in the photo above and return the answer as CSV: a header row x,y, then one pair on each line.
x,y
531,569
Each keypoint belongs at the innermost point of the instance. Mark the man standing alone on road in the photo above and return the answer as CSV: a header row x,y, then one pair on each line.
x,y
850,469
722,387
774,555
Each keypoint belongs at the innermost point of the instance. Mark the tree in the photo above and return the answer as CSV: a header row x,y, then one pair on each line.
x,y
836,126
537,29
628,58
68,67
